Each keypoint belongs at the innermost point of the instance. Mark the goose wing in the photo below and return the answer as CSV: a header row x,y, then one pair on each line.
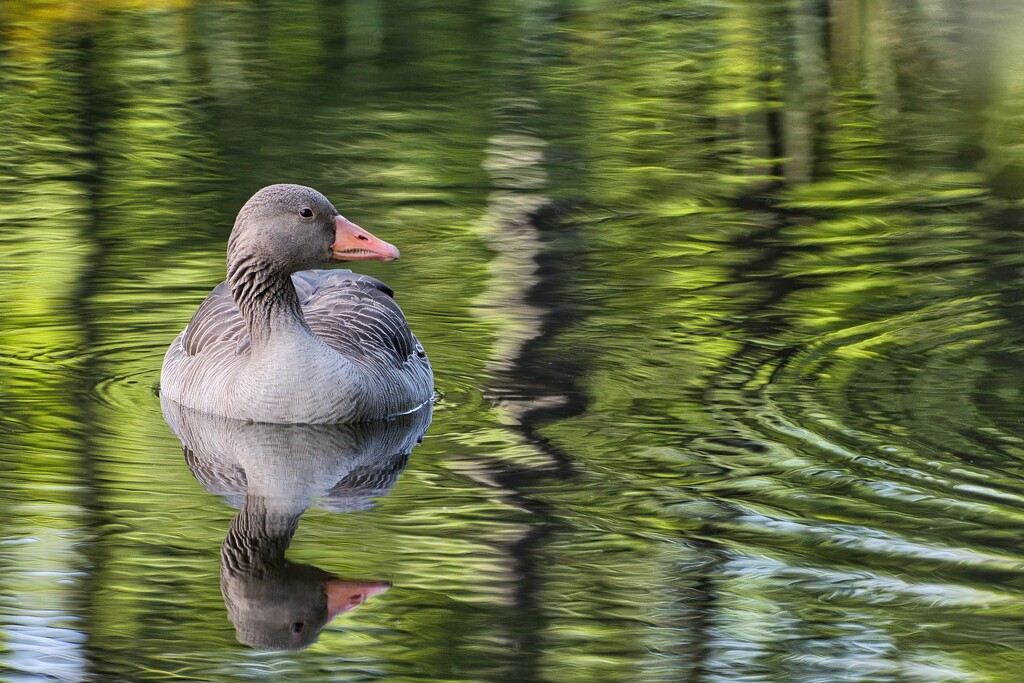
x,y
217,322
356,315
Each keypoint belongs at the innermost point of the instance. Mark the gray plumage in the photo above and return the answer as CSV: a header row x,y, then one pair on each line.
x,y
276,342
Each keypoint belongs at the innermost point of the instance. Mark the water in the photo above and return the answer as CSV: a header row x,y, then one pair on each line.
x,y
723,300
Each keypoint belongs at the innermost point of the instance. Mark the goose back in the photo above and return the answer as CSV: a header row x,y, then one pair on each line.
x,y
361,361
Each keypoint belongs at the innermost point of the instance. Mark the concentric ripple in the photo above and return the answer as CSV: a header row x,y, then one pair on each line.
x,y
868,445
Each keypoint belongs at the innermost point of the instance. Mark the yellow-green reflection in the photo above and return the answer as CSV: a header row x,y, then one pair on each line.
x,y
723,298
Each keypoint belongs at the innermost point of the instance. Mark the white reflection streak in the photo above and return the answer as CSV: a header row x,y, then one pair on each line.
x,y
37,637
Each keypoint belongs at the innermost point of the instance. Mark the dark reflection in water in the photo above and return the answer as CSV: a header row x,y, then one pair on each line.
x,y
274,473
724,299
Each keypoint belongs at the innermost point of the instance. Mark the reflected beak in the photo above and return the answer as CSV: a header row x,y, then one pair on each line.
x,y
344,596
352,243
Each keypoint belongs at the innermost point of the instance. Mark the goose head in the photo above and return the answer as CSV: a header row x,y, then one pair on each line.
x,y
285,606
293,228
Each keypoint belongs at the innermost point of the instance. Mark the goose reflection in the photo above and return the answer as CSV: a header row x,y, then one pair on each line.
x,y
273,473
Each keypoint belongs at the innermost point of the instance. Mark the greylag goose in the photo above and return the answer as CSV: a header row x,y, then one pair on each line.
x,y
277,342
273,473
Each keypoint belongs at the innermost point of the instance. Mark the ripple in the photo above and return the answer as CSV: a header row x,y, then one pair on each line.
x,y
34,358
864,441
121,376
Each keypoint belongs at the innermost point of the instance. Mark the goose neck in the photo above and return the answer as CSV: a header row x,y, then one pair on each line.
x,y
258,537
266,298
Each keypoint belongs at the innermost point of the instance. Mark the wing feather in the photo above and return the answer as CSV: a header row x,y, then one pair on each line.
x,y
356,315
216,322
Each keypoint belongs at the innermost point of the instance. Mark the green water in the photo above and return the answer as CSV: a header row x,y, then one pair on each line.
x,y
723,299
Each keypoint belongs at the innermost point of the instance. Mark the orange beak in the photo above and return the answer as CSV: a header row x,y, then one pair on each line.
x,y
352,243
344,596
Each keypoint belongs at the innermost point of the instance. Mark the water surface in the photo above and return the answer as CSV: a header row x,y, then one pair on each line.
x,y
723,300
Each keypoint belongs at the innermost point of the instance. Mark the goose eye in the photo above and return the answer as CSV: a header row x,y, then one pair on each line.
x,y
306,213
